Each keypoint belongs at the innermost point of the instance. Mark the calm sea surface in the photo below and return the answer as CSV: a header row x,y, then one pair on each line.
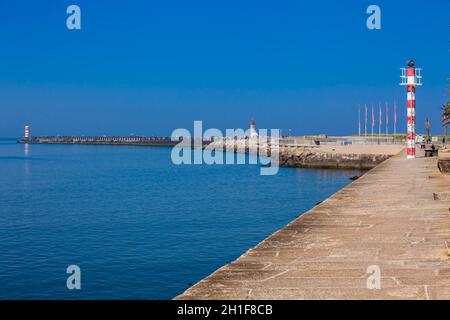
x,y
138,226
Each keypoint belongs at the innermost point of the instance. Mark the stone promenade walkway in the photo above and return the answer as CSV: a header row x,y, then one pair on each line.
x,y
388,218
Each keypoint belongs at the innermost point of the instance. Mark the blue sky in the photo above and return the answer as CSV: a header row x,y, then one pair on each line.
x,y
148,67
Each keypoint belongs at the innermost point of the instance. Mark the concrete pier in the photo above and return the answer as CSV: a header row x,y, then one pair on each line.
x,y
388,218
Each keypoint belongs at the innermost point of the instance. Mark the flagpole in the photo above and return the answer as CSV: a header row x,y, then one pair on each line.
x,y
359,120
387,120
395,119
373,120
379,121
365,122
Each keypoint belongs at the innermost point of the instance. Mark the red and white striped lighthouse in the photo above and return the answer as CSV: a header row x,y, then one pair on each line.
x,y
411,78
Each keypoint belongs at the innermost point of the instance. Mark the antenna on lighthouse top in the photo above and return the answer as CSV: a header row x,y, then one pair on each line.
x,y
418,77
413,78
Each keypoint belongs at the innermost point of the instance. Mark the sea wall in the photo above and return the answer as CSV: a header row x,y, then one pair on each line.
x,y
298,155
306,156
314,158
116,140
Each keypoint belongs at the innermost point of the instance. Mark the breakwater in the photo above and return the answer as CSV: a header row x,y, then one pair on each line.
x,y
331,156
390,223
113,140
305,155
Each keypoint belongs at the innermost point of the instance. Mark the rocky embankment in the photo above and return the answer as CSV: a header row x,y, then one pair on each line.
x,y
339,157
315,158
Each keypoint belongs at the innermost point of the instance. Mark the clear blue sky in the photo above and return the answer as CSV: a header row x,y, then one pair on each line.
x,y
148,67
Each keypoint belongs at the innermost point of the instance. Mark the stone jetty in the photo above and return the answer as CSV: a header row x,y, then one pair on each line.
x,y
115,140
328,156
393,222
337,157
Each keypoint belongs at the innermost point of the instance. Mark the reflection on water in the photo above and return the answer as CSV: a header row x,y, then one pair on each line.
x,y
26,149
26,167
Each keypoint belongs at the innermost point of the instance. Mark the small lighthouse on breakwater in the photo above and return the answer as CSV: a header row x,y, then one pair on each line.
x,y
252,132
27,133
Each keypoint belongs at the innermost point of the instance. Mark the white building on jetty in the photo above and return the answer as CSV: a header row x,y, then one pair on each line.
x,y
252,132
